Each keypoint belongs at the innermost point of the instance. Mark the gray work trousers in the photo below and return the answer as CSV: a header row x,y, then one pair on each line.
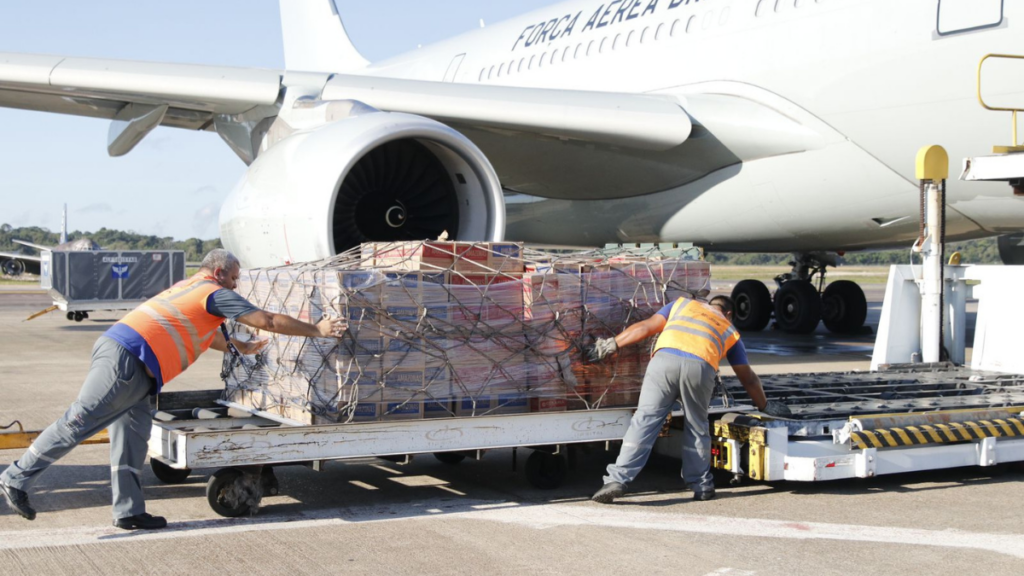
x,y
115,395
670,378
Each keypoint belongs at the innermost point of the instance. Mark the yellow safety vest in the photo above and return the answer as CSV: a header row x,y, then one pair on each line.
x,y
699,329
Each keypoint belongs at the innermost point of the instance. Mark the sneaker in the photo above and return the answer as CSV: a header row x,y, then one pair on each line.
x,y
703,494
141,522
18,501
609,492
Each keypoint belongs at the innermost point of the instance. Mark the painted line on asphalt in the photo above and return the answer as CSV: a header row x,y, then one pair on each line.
x,y
536,516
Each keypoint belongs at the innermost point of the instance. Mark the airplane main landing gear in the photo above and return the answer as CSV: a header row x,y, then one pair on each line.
x,y
802,300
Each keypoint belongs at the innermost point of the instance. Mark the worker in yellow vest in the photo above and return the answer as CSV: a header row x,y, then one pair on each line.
x,y
132,362
694,338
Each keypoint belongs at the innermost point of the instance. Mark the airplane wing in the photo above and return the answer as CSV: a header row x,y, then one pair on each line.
x,y
17,256
186,96
39,247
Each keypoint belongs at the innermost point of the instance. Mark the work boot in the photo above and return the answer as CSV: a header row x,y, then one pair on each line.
x,y
703,494
609,492
18,501
141,522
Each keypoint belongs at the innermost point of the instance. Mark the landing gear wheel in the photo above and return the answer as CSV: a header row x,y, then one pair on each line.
x,y
753,305
450,458
85,315
70,316
843,307
797,307
168,475
233,493
545,471
79,316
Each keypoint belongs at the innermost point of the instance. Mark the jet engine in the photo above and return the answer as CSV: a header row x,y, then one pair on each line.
x,y
374,176
1011,248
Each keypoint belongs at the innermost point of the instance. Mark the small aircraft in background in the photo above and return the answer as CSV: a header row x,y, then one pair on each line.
x,y
18,263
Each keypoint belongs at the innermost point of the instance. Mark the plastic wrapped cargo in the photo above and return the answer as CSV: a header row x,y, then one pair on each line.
x,y
445,329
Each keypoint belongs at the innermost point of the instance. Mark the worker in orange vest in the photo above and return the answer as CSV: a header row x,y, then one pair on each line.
x,y
132,362
694,338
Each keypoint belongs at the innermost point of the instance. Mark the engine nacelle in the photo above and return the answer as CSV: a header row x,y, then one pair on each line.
x,y
371,177
1011,249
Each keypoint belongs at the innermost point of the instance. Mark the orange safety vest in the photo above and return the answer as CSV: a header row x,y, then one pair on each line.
x,y
697,328
176,325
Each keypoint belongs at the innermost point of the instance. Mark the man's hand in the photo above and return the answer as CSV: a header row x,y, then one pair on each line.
x,y
250,347
332,327
601,349
777,409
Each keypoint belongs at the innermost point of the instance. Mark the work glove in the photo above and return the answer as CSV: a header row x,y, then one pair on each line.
x,y
777,410
603,348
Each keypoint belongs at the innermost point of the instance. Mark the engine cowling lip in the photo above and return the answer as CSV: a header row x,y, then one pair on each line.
x,y
409,126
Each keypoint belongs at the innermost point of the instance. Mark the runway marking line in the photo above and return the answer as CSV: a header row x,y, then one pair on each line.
x,y
536,516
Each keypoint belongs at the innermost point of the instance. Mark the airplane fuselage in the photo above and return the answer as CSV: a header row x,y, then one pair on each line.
x,y
871,81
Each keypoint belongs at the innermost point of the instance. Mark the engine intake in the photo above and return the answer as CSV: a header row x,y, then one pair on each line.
x,y
371,177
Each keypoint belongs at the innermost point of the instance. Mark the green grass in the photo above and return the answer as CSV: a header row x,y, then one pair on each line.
x,y
859,274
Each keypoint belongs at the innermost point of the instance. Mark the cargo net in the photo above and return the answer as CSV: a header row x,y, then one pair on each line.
x,y
445,329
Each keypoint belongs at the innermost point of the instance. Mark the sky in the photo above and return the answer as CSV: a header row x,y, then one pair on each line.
x,y
173,183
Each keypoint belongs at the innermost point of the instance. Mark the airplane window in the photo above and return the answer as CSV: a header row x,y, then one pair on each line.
x,y
540,61
521,62
565,53
604,43
724,18
490,73
710,17
797,3
579,50
779,5
659,32
691,24
645,35
617,42
482,70
590,48
675,27
501,70
762,7
530,66
511,66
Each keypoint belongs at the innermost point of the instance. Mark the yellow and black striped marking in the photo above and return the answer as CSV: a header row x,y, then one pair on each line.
x,y
938,433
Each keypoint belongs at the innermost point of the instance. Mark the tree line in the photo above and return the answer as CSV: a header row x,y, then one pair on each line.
x,y
194,248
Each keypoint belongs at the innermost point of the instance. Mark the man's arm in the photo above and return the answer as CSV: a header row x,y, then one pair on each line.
x,y
250,347
288,326
641,331
752,384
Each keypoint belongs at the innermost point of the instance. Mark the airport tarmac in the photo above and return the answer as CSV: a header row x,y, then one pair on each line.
x,y
481,517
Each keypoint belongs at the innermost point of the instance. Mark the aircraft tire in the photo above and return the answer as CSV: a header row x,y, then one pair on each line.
x,y
843,307
797,307
753,304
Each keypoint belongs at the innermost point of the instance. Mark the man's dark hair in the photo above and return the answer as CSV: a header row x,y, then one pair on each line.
x,y
724,303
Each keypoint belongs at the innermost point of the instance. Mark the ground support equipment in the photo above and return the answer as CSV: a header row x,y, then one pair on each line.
x,y
859,425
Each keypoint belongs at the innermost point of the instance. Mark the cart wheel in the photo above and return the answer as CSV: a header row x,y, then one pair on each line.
x,y
450,458
271,487
79,317
233,493
169,475
545,471
70,316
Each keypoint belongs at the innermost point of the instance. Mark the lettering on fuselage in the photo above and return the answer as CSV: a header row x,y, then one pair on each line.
x,y
606,14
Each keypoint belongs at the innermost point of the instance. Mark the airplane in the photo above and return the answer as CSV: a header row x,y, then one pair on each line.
x,y
739,125
17,263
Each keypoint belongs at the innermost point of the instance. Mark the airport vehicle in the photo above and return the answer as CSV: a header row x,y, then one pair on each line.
x,y
17,263
586,123
84,281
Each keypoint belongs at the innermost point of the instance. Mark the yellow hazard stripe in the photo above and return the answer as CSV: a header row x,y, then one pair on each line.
x,y
938,433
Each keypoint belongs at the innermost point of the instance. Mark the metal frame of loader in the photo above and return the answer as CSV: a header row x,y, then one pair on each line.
x,y
902,419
